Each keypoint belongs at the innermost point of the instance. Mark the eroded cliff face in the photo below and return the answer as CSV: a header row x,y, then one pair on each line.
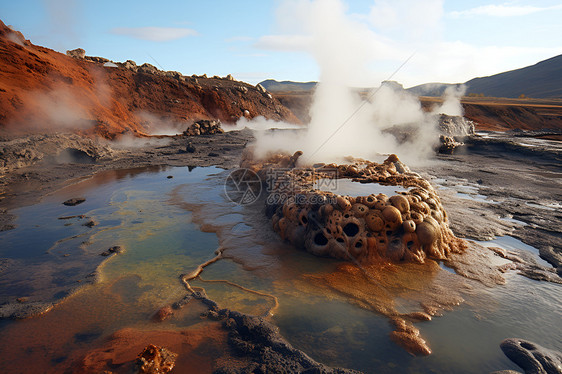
x,y
41,89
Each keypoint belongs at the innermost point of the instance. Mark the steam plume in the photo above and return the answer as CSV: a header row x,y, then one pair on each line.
x,y
340,124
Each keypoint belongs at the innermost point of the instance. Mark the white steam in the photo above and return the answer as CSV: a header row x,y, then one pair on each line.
x,y
259,124
157,125
451,101
59,108
342,123
129,141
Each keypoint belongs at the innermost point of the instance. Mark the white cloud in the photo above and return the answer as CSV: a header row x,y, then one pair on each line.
x,y
155,34
285,42
502,10
419,19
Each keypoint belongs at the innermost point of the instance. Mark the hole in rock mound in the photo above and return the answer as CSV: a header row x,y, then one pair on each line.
x,y
527,346
351,229
320,239
74,156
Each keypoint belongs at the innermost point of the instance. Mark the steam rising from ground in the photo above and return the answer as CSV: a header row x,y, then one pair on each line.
x,y
61,107
260,124
452,101
342,123
157,125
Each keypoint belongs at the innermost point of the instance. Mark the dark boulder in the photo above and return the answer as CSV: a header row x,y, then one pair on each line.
x,y
531,357
74,201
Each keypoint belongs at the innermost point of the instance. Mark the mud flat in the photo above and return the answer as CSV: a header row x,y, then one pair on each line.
x,y
500,186
35,165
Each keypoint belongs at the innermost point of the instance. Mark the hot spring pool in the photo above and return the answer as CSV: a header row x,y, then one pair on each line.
x,y
168,226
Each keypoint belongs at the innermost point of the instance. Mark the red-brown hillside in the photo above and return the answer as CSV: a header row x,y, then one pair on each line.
x,y
502,114
41,89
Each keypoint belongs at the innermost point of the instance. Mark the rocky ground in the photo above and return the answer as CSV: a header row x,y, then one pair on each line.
x,y
514,182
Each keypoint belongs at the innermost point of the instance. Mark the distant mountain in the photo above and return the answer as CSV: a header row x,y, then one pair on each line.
x,y
542,80
285,86
430,89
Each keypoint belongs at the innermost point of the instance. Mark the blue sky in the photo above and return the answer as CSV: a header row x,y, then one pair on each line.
x,y
449,41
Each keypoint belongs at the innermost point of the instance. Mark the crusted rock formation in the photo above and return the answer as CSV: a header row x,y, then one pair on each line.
x,y
455,126
453,130
410,226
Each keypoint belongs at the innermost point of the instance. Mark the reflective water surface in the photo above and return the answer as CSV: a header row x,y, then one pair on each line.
x,y
168,226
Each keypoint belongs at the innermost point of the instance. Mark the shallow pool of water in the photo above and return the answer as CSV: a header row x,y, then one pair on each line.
x,y
170,225
348,187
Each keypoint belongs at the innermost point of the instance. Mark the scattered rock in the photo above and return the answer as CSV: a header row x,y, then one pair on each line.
x,y
130,65
99,60
163,314
212,315
230,77
531,357
190,148
448,144
78,53
261,89
91,223
117,250
181,303
147,68
153,360
74,201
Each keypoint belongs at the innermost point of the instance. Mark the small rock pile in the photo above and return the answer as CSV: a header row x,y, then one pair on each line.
x,y
204,127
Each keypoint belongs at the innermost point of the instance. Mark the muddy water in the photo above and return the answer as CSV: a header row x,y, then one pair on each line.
x,y
333,312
